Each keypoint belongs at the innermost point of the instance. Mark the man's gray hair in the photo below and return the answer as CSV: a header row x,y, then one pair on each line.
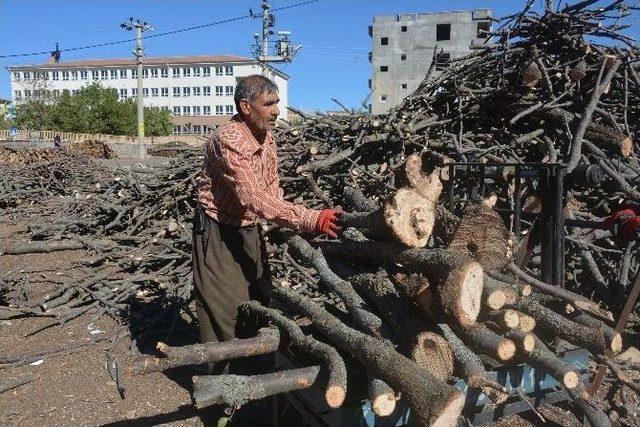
x,y
251,86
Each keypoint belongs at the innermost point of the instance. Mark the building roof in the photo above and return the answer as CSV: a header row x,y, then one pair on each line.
x,y
150,60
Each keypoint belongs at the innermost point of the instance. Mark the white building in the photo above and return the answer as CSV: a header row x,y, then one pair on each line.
x,y
197,90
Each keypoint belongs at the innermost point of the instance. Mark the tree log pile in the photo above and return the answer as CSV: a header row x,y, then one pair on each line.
x,y
414,294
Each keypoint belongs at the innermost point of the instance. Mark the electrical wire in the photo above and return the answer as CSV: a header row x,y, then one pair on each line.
x,y
166,33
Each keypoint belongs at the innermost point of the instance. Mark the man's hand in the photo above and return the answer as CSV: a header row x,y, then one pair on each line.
x,y
329,222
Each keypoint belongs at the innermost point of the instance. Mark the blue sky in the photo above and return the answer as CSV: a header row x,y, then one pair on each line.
x,y
332,64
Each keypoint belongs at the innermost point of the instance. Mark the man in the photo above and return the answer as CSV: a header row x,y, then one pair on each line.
x,y
240,185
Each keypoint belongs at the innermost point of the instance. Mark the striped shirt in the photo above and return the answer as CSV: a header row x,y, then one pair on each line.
x,y
239,182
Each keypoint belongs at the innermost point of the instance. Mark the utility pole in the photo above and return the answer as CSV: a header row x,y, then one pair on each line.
x,y
285,52
138,52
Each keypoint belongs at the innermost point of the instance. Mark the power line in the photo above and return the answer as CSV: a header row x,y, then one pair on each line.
x,y
166,33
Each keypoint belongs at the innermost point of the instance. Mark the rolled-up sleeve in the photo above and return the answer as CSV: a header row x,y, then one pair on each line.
x,y
235,166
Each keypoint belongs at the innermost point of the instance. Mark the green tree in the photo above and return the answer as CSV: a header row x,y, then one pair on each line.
x,y
94,109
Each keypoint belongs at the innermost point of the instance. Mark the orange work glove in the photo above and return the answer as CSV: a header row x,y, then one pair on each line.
x,y
329,222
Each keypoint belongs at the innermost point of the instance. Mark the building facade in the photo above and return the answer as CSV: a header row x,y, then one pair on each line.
x,y
403,45
197,90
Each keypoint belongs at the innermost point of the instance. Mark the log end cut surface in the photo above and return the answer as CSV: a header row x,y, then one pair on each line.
x,y
471,279
410,217
384,405
452,409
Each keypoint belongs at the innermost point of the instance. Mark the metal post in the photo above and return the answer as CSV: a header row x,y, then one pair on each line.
x,y
142,151
517,204
547,199
266,17
558,226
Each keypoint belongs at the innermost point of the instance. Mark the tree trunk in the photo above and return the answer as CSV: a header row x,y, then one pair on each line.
x,y
456,279
484,340
267,341
432,402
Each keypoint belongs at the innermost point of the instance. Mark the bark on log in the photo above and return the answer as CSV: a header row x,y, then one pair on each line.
x,y
594,414
525,342
590,338
415,342
482,234
267,341
507,319
236,390
432,402
456,279
543,358
470,367
484,340
41,247
336,371
614,339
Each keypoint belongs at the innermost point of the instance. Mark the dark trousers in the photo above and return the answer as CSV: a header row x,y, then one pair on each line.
x,y
229,267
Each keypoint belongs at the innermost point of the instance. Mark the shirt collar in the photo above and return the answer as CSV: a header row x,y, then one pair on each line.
x,y
255,145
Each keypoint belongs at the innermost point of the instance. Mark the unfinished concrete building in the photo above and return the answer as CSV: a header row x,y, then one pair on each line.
x,y
403,46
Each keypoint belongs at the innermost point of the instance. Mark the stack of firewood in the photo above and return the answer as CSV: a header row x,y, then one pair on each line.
x,y
414,292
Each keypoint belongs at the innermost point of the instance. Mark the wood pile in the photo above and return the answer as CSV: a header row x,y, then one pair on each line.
x,y
9,156
410,294
92,148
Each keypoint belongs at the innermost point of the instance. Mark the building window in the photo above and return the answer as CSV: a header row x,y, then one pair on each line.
x,y
75,92
154,73
164,72
17,94
104,75
196,91
123,93
55,76
383,98
16,75
56,93
27,93
206,71
206,90
403,86
403,28
164,108
176,91
443,32
176,72
197,129
228,109
114,74
196,71
186,130
483,28
219,110
196,110
134,73
442,60
176,110
74,75
403,57
219,90
145,92
26,75
145,73
123,74
228,90
186,72
218,71
154,91
65,75
384,68
164,91
84,75
186,110
176,130
384,41
228,71
206,110
134,91
186,91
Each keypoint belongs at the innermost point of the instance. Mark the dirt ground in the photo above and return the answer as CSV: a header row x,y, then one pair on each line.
x,y
76,389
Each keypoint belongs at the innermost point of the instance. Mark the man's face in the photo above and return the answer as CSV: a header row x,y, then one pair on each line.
x,y
261,112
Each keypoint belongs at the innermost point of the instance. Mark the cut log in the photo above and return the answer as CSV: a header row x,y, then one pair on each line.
x,y
484,340
507,319
381,396
531,75
614,339
267,341
527,323
336,370
592,412
525,342
431,353
543,358
482,234
590,338
236,390
432,402
456,279
470,367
